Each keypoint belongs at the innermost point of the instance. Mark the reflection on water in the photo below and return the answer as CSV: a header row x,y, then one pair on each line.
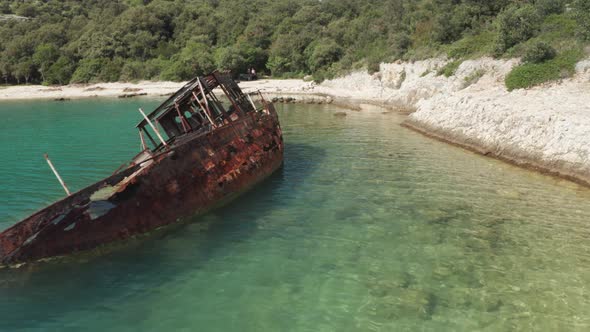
x,y
369,227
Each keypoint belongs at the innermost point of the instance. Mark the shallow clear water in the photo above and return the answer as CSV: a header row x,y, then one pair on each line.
x,y
369,227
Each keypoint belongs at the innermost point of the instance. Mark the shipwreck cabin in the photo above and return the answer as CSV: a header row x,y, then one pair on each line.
x,y
195,109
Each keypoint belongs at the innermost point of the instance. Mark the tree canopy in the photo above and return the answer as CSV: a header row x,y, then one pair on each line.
x,y
78,41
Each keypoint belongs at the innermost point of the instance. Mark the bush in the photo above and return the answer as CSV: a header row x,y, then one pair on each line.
x,y
532,74
447,28
111,70
373,66
5,8
400,43
473,45
60,72
132,71
175,71
228,58
87,70
539,52
450,68
453,21
473,77
516,25
581,9
548,7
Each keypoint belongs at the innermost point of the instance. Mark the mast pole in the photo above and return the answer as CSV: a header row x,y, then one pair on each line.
x,y
153,127
63,184
143,146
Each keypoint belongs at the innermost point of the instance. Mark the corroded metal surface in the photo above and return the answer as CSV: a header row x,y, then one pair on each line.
x,y
189,177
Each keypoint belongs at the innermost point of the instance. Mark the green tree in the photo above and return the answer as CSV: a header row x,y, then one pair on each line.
x,y
87,70
5,7
24,70
60,72
44,57
197,57
228,58
173,39
322,53
27,9
110,70
132,71
5,70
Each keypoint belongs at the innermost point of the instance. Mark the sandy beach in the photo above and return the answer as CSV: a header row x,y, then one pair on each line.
x,y
28,92
299,90
144,88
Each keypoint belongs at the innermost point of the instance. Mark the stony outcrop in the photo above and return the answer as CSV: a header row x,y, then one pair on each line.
x,y
546,127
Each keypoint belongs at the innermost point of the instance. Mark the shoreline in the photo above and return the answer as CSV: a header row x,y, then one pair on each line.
x,y
530,165
538,129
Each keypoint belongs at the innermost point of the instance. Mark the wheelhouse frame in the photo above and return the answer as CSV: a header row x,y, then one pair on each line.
x,y
195,108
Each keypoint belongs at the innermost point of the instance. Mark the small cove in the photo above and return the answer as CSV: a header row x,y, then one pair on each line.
x,y
368,227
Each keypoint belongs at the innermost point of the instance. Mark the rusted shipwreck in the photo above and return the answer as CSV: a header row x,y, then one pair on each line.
x,y
198,151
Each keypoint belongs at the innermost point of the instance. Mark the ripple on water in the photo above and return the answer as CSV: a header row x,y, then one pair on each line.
x,y
369,227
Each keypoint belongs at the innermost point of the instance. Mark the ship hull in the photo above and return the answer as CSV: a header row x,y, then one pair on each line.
x,y
188,179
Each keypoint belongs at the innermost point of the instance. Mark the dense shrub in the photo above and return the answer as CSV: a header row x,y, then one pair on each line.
x,y
400,43
132,71
373,65
5,8
581,9
60,72
448,27
548,7
111,70
473,45
515,25
322,53
539,52
531,74
87,70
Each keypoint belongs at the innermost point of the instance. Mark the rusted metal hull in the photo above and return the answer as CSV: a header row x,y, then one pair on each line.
x,y
188,179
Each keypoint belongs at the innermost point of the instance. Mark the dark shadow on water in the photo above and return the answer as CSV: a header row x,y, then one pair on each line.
x,y
42,292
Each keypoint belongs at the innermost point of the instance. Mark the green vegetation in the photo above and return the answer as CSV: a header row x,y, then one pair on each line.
x,y
538,53
449,69
473,77
531,74
78,41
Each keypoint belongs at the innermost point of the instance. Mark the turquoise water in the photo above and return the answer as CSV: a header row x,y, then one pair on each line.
x,y
369,227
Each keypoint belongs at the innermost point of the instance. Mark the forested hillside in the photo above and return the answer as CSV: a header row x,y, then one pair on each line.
x,y
59,42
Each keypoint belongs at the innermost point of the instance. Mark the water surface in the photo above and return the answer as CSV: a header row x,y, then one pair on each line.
x,y
369,227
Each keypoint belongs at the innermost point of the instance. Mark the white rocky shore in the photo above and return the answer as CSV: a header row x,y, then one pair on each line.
x,y
546,128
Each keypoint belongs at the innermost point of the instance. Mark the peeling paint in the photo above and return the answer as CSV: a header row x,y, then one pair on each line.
x,y
30,239
98,209
58,219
